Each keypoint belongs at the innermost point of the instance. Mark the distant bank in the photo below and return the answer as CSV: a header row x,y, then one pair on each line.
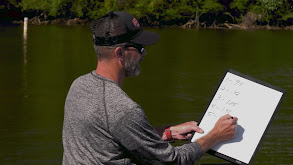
x,y
189,25
248,22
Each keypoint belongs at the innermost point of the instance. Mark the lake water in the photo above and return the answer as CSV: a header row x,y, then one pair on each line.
x,y
179,76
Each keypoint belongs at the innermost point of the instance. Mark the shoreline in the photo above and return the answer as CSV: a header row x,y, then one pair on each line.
x,y
84,22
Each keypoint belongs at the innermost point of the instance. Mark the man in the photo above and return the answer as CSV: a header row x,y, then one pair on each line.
x,y
102,125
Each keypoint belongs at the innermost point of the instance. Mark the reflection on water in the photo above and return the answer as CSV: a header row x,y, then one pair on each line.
x,y
179,76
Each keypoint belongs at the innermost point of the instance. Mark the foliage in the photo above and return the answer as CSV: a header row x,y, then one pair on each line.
x,y
9,4
240,6
164,12
267,9
211,6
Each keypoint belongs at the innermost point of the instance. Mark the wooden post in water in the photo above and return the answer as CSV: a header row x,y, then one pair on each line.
x,y
25,27
25,22
25,37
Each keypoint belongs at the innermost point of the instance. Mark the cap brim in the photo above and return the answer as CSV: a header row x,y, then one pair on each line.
x,y
146,38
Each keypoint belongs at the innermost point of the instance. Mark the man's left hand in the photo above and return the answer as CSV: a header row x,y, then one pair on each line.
x,y
183,131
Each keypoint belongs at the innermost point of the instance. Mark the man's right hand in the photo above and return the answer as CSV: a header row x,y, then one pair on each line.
x,y
224,129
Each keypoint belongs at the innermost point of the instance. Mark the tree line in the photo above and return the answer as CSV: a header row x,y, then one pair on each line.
x,y
163,12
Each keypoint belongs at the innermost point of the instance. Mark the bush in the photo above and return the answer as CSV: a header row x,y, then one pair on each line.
x,y
163,12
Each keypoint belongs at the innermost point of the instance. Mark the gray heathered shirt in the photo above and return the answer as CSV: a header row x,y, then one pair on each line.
x,y
102,125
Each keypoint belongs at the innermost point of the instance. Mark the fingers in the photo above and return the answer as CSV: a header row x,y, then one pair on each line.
x,y
234,126
185,137
188,136
193,123
232,118
184,131
227,116
193,126
196,128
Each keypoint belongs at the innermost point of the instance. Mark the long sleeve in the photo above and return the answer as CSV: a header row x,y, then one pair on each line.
x,y
144,146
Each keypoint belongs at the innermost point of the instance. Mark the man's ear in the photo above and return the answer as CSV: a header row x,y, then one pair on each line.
x,y
119,53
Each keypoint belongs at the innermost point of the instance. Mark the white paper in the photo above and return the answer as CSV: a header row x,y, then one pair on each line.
x,y
253,104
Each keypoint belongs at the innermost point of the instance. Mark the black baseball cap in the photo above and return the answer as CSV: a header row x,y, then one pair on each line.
x,y
134,32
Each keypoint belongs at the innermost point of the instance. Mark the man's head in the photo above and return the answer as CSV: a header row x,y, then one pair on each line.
x,y
119,35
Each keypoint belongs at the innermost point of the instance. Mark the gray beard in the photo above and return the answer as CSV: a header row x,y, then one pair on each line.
x,y
131,67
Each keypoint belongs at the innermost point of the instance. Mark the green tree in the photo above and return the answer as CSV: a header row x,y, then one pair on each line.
x,y
285,13
163,12
267,9
212,8
95,9
239,8
46,6
9,4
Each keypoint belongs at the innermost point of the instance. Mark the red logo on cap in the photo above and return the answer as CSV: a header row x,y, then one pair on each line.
x,y
135,22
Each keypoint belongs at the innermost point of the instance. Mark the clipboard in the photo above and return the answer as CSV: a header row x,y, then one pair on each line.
x,y
253,102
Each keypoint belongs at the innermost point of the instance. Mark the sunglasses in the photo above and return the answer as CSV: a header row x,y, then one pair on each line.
x,y
139,47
